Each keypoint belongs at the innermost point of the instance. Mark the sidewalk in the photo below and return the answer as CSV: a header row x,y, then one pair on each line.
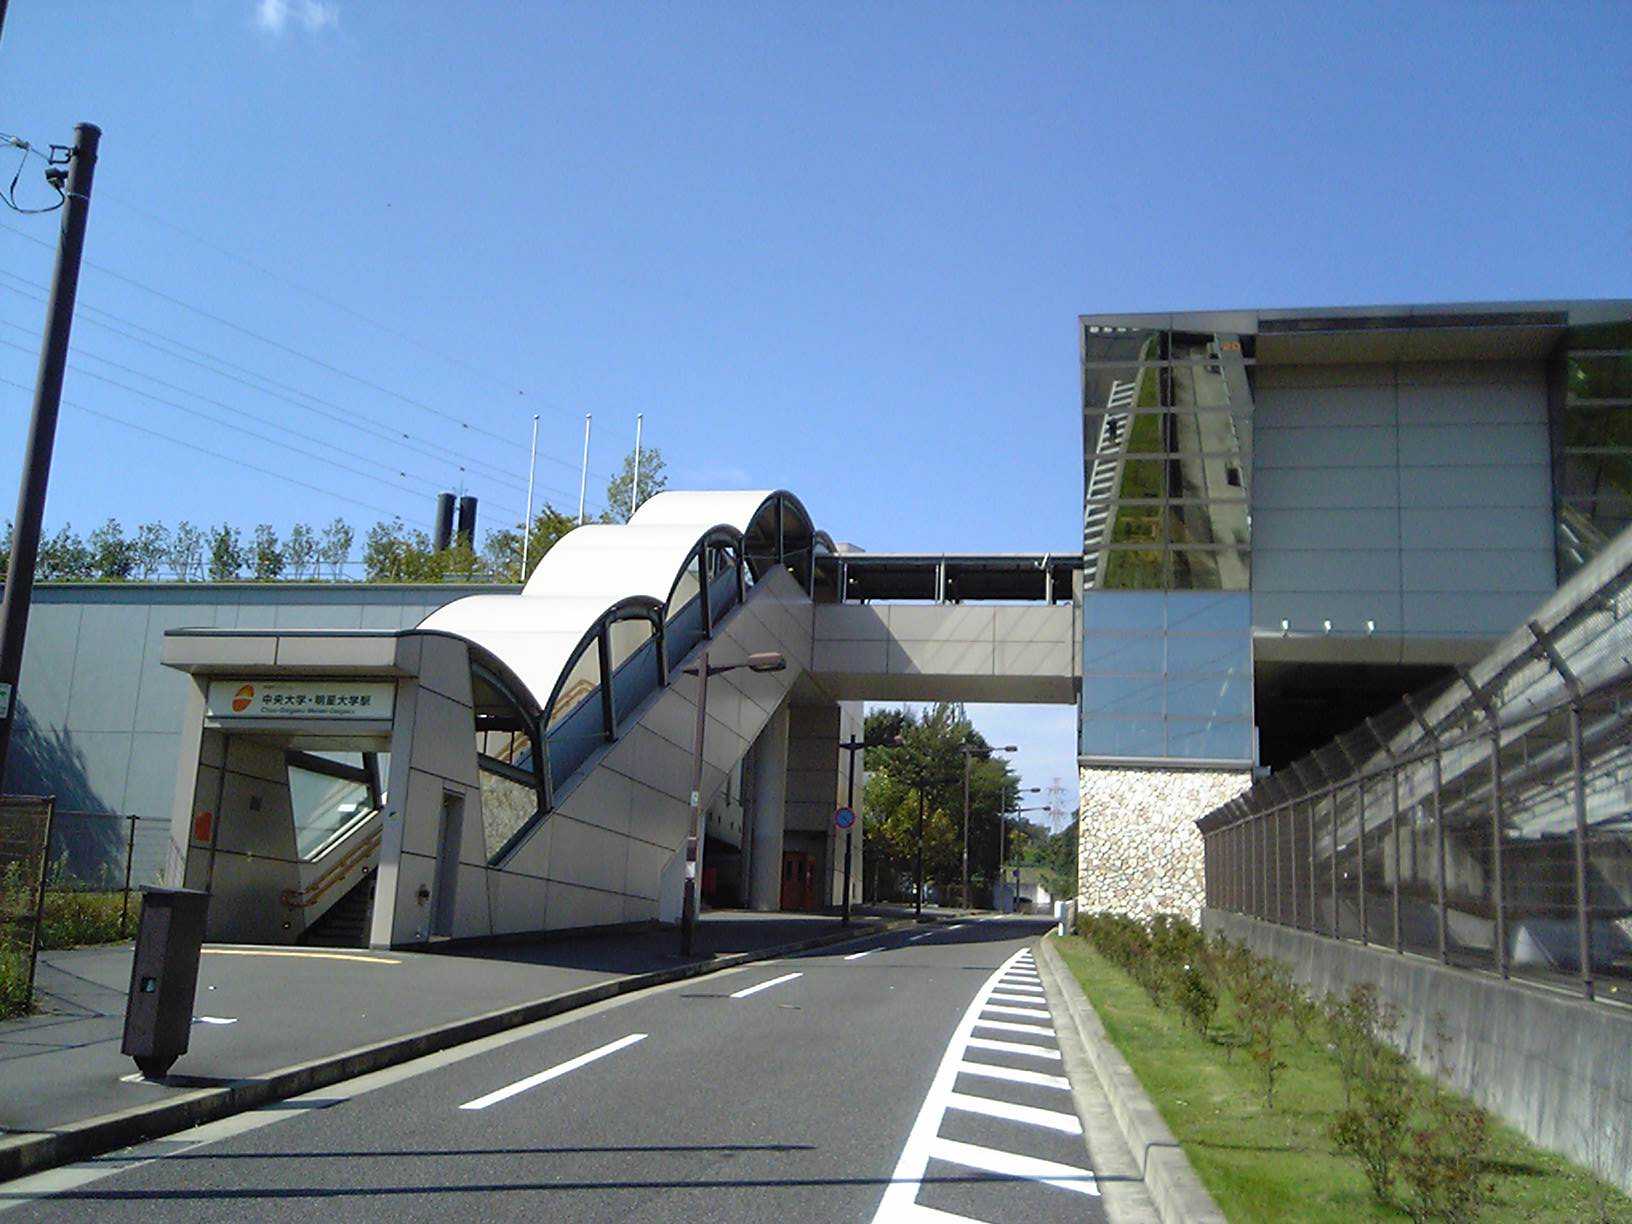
x,y
261,1009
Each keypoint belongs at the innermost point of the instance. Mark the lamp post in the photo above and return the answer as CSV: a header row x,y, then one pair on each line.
x,y
1002,829
768,661
970,752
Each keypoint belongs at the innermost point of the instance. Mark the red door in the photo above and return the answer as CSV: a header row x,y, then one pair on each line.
x,y
798,880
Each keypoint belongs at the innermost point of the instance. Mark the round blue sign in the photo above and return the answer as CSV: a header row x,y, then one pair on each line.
x,y
844,818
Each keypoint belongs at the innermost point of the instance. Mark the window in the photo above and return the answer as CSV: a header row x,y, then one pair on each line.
x,y
329,793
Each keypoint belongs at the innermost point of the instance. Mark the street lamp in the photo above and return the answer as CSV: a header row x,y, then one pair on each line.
x,y
1002,830
766,661
970,752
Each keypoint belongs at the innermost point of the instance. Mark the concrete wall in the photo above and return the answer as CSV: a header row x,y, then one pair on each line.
x,y
101,720
947,652
817,782
1138,849
1554,1066
1415,495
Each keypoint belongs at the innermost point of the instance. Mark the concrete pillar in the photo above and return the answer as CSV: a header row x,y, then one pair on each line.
x,y
770,791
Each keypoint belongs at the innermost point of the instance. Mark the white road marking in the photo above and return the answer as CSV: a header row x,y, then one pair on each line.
x,y
1024,986
555,1072
859,955
900,1200
1014,1026
1011,1047
1003,1009
776,981
1014,1075
990,1107
1011,1164
1016,998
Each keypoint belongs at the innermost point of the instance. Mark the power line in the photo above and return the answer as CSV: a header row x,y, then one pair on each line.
x,y
433,485
214,420
204,450
317,295
361,380
348,418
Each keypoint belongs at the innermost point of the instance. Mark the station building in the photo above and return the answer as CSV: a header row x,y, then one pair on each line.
x,y
1291,518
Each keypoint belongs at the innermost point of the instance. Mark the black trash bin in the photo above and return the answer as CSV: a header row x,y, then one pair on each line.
x,y
164,977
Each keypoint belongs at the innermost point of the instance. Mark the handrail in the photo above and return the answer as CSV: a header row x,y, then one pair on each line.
x,y
304,898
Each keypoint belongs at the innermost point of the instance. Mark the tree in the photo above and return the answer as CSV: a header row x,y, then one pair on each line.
x,y
652,481
300,552
112,556
334,547
186,550
5,561
927,767
151,548
226,554
392,552
501,550
63,557
266,558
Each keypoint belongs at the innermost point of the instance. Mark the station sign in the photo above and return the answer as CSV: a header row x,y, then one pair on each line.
x,y
350,700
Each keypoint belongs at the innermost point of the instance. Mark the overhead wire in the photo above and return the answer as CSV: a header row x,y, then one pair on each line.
x,y
346,417
333,303
204,450
272,441
9,196
319,362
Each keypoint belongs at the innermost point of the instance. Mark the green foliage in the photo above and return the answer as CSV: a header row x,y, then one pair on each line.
x,y
63,557
393,552
186,551
14,1000
1274,1164
226,553
502,549
265,554
149,550
113,557
300,553
73,918
334,547
924,773
653,480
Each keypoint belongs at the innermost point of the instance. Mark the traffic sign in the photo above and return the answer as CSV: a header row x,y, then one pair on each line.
x,y
844,818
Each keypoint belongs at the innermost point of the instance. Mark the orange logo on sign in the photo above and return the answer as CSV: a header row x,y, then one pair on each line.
x,y
242,698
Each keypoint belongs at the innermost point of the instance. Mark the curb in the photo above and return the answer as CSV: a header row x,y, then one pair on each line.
x,y
35,1151
1177,1192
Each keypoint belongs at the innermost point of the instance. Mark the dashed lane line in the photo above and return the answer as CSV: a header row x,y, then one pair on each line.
x,y
755,989
555,1072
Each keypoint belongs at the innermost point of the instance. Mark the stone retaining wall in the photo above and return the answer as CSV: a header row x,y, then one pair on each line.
x,y
1138,850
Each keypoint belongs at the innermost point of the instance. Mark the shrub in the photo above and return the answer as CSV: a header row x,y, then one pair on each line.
x,y
1356,1023
73,919
1372,1126
1264,999
1195,997
14,1000
1444,1166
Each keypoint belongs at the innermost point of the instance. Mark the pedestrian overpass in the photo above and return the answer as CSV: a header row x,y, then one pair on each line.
x,y
522,762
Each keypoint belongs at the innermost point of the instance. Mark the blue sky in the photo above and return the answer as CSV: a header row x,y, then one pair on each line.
x,y
838,248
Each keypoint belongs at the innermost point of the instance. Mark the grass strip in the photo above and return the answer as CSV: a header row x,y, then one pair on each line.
x,y
1263,1165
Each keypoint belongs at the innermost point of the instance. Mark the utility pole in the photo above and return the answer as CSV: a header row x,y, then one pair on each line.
x,y
42,428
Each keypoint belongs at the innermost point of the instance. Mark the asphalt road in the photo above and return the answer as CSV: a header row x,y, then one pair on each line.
x,y
830,1086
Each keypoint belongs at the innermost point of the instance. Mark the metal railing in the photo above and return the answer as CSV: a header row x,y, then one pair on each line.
x,y
1486,823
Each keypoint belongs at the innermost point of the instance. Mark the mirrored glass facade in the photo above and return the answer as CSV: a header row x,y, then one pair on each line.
x,y
1592,441
1167,428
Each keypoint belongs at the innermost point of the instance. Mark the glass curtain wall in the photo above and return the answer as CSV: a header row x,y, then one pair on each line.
x,y
1592,442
